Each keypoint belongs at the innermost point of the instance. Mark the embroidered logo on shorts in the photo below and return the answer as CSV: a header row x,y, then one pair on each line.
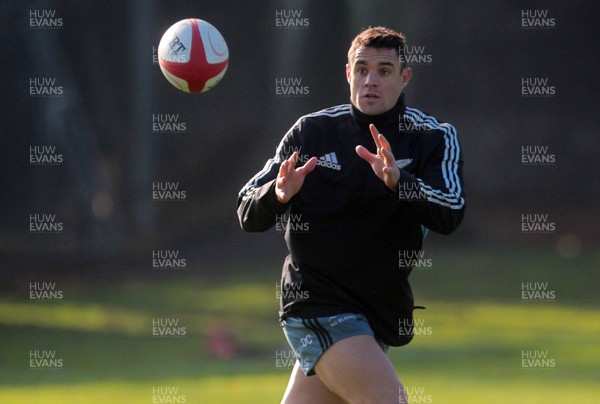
x,y
306,340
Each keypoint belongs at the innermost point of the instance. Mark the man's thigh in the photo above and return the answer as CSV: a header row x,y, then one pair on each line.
x,y
303,389
357,370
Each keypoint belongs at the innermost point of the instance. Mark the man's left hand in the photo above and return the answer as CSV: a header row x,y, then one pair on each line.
x,y
383,163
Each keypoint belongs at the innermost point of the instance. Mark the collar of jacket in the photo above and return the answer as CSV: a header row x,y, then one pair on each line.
x,y
391,116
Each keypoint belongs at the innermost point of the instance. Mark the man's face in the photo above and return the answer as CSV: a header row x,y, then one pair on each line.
x,y
375,79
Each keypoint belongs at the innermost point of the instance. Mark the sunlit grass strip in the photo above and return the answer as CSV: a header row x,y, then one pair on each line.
x,y
268,388
456,322
471,322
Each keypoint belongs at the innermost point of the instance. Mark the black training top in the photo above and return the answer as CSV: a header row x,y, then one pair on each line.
x,y
352,240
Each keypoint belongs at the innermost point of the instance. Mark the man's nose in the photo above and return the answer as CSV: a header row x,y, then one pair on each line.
x,y
371,79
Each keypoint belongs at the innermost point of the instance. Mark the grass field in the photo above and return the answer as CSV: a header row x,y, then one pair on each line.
x,y
475,331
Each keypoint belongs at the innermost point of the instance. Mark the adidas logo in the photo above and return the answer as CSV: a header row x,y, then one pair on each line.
x,y
329,160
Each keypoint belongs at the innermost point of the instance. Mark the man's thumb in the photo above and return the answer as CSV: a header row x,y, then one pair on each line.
x,y
364,153
308,167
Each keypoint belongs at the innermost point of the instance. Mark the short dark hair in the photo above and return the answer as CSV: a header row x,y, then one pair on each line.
x,y
380,37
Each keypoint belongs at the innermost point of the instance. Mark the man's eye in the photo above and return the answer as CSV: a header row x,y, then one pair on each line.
x,y
385,72
362,71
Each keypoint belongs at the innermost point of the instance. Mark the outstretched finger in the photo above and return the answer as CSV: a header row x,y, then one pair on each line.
x,y
384,142
281,181
387,149
286,167
293,160
388,157
283,169
375,134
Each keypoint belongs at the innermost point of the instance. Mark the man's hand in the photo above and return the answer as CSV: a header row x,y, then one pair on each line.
x,y
383,163
290,179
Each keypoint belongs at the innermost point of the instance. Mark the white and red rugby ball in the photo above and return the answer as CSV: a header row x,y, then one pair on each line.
x,y
193,55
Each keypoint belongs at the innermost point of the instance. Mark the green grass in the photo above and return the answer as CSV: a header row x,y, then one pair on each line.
x,y
477,324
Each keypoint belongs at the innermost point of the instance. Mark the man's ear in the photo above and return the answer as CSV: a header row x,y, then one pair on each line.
x,y
406,75
348,72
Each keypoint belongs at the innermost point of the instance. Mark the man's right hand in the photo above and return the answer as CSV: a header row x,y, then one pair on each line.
x,y
290,179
